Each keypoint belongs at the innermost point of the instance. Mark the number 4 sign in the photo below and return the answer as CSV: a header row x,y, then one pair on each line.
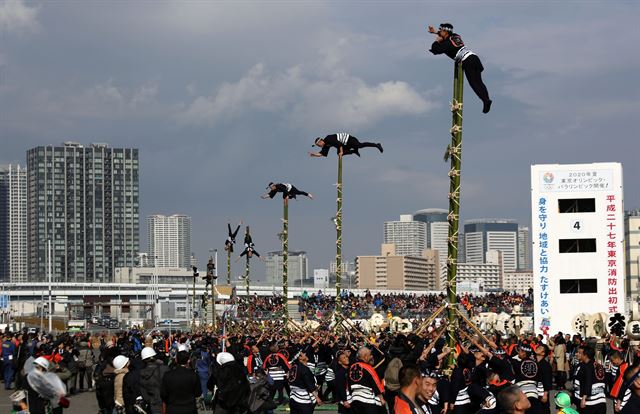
x,y
576,226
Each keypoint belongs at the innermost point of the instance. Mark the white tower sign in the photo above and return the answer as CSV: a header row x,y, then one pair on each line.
x,y
578,242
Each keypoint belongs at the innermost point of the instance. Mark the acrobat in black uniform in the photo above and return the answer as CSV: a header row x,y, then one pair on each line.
x,y
288,191
249,248
344,144
451,44
231,239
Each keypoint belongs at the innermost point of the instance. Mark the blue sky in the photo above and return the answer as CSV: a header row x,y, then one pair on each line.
x,y
223,97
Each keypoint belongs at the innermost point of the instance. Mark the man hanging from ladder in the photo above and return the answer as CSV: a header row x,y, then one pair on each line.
x,y
343,143
451,44
288,191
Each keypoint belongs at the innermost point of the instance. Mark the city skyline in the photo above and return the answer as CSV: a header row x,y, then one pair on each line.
x,y
219,119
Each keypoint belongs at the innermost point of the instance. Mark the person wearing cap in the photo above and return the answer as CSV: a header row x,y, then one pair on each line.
x,y
19,402
151,375
526,371
45,391
563,403
304,393
344,144
497,361
120,364
232,395
589,383
427,391
450,43
288,191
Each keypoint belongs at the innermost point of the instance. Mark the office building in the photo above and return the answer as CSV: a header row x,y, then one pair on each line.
x,y
13,224
321,278
170,240
632,254
85,200
524,248
437,231
407,235
484,235
517,282
578,248
390,270
297,266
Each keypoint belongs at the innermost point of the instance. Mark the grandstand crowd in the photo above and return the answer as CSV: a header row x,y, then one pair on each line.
x,y
255,366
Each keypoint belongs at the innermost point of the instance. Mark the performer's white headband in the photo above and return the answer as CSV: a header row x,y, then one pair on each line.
x,y
446,29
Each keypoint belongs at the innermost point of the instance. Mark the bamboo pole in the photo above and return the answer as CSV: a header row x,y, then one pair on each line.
x,y
430,319
285,257
473,326
214,282
193,303
455,155
339,238
229,267
246,278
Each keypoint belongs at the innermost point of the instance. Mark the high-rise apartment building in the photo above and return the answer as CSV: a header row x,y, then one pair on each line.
x,y
437,235
484,235
524,248
632,250
407,235
13,223
297,267
169,240
85,200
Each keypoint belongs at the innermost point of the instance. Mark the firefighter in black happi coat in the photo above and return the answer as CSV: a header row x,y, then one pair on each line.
x,y
450,43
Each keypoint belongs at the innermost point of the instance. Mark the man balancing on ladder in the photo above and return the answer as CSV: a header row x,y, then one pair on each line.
x,y
344,143
451,44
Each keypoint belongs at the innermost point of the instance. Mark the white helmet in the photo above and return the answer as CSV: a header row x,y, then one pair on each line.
x,y
224,357
147,352
42,362
120,361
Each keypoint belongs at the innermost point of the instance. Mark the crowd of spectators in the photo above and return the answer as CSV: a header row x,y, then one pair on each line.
x,y
410,304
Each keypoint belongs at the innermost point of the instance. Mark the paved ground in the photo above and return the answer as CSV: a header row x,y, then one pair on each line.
x,y
85,403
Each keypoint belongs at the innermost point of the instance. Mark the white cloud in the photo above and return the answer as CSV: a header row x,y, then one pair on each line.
x,y
16,16
102,100
303,98
145,94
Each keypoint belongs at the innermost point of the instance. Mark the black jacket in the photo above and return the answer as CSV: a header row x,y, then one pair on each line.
x,y
179,390
233,386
